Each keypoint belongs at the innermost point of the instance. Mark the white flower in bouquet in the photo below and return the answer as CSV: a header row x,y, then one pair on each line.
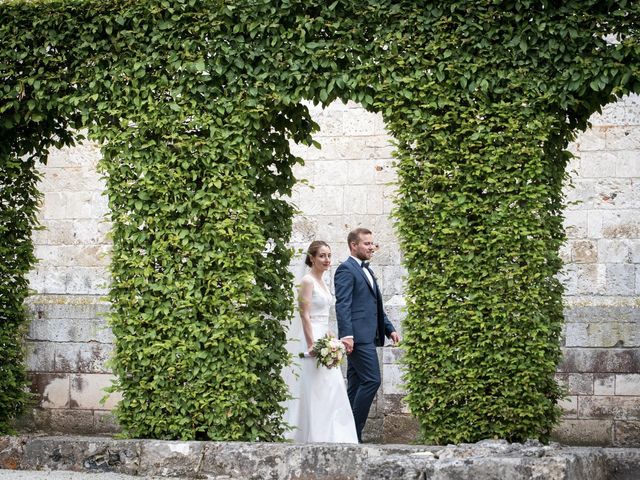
x,y
329,351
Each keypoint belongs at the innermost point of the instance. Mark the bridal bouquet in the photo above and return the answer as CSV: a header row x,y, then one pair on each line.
x,y
329,351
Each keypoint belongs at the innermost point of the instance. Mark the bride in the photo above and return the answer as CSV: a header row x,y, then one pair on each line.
x,y
320,410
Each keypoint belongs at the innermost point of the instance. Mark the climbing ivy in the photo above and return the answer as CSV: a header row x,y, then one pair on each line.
x,y
194,103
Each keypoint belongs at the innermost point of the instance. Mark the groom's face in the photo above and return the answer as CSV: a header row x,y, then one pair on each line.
x,y
365,247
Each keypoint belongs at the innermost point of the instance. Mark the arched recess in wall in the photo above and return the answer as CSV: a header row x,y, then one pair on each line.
x,y
347,183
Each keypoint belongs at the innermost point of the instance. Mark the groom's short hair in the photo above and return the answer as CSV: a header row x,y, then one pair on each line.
x,y
354,235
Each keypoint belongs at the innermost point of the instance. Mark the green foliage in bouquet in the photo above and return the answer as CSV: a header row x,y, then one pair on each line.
x,y
194,103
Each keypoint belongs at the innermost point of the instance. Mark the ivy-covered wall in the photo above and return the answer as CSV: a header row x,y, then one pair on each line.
x,y
194,104
351,182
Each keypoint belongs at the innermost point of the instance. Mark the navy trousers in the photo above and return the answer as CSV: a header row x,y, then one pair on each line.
x,y
363,381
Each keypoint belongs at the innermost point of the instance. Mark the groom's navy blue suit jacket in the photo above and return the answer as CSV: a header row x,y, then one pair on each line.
x,y
359,309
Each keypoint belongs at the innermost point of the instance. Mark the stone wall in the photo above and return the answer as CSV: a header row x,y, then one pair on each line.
x,y
601,366
350,183
69,341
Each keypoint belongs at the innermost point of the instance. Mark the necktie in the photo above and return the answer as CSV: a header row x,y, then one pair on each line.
x,y
365,264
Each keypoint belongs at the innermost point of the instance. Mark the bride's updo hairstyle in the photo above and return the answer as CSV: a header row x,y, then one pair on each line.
x,y
312,251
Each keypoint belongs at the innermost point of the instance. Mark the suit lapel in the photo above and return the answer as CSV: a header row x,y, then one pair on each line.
x,y
364,275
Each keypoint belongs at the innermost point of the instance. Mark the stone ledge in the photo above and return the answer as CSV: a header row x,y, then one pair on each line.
x,y
489,459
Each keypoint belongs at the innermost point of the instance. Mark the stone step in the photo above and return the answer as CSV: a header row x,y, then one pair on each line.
x,y
489,459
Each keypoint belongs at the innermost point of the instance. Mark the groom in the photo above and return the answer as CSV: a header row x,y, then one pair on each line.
x,y
362,323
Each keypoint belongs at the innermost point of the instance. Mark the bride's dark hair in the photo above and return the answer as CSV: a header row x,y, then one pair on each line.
x,y
312,251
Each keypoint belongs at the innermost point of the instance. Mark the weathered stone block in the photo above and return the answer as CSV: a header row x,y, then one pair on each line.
x,y
88,232
329,172
623,138
360,171
377,200
584,251
171,458
565,253
70,330
400,429
591,278
55,281
604,384
51,390
392,354
569,407
82,357
624,463
11,452
373,430
620,279
575,224
634,245
356,200
595,313
600,360
40,356
584,432
88,391
590,140
389,200
613,115
100,205
55,206
620,224
86,280
614,250
626,434
70,422
85,155
79,204
613,193
392,382
385,171
391,279
613,407
628,384
33,420
576,383
82,454
512,461
595,224
105,422
67,306
395,404
568,276
612,334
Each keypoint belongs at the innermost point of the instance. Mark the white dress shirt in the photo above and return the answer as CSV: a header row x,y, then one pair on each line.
x,y
366,271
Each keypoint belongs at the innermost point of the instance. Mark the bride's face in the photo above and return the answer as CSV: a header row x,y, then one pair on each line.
x,y
322,259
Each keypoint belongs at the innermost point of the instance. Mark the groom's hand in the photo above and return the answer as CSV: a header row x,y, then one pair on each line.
x,y
348,344
395,338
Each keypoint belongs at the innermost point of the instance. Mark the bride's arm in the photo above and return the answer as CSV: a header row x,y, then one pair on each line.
x,y
304,306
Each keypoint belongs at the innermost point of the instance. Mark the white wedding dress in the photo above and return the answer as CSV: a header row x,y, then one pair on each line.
x,y
320,411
